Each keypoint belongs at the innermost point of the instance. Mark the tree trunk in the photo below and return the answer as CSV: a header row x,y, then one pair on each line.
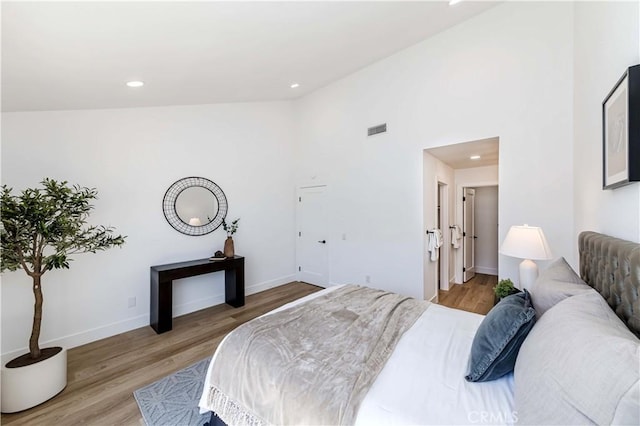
x,y
34,348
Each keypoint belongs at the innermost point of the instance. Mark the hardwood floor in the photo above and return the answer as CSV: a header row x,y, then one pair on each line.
x,y
476,295
102,375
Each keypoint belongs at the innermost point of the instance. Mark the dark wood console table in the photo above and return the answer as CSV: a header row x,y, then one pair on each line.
x,y
162,277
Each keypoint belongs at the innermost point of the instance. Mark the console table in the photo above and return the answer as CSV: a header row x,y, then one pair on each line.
x,y
162,277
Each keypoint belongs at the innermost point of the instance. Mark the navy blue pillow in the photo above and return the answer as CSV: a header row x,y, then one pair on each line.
x,y
499,337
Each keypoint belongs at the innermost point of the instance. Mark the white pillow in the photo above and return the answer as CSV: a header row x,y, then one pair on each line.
x,y
555,284
579,364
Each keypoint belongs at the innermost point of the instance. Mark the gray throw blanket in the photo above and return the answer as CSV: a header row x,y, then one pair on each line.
x,y
312,363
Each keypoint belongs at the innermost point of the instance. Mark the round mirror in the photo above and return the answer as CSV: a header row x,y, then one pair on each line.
x,y
194,206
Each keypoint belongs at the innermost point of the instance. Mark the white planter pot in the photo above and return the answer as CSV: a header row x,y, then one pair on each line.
x,y
26,387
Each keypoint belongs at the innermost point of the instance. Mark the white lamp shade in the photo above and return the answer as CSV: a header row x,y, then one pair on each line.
x,y
526,242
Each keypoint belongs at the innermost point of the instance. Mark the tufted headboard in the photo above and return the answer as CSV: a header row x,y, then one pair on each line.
x,y
612,267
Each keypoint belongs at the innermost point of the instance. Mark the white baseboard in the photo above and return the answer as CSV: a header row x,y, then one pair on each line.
x,y
451,283
196,305
486,270
257,288
102,332
88,336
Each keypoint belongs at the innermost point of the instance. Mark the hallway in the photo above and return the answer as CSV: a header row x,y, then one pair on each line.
x,y
476,295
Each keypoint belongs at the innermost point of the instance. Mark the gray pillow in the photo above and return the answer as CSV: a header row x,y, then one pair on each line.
x,y
555,284
578,365
497,341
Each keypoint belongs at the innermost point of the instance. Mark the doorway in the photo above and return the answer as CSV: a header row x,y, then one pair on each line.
x,y
447,171
486,229
468,234
312,245
480,223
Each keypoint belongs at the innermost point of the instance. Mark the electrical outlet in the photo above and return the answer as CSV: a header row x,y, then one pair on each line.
x,y
367,279
132,302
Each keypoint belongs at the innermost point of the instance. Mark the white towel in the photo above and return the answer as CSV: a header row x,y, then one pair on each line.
x,y
434,242
456,236
431,246
439,237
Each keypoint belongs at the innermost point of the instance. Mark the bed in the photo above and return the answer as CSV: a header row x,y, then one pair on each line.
x,y
445,366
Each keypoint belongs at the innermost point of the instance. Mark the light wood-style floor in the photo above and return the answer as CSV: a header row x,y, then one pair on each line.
x,y
102,375
476,295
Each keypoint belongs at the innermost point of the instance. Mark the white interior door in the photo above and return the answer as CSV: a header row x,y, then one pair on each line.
x,y
312,248
468,232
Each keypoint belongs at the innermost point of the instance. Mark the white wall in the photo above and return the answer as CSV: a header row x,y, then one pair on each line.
x,y
508,73
132,156
607,41
486,229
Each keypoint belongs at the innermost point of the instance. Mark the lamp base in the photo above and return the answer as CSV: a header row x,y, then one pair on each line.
x,y
528,274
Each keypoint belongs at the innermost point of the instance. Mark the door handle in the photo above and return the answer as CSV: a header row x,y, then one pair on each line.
x,y
322,241
475,238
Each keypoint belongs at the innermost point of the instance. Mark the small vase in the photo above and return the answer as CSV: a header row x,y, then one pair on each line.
x,y
228,247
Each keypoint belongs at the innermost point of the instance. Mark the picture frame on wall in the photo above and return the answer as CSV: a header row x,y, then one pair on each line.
x,y
621,131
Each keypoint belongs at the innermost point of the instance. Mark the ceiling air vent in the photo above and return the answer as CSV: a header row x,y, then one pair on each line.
x,y
377,129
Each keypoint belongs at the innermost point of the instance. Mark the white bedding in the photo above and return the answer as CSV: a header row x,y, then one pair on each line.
x,y
423,380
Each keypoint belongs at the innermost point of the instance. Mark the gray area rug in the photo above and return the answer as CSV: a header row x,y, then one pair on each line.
x,y
173,400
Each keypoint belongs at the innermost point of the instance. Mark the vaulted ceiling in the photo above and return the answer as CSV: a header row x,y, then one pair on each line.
x,y
79,55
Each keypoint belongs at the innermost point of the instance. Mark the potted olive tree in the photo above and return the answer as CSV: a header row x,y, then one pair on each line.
x,y
41,229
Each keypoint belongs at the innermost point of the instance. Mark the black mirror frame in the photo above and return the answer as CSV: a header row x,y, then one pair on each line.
x,y
171,214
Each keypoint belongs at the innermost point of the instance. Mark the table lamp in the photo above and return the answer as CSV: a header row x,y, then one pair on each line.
x,y
528,243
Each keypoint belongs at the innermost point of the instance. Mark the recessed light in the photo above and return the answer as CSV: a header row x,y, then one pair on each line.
x,y
474,157
294,85
135,83
452,2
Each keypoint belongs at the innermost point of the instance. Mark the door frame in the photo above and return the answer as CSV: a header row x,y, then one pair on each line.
x,y
458,255
442,192
299,190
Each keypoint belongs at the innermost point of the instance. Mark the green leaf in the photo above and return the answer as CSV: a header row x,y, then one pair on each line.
x,y
50,219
